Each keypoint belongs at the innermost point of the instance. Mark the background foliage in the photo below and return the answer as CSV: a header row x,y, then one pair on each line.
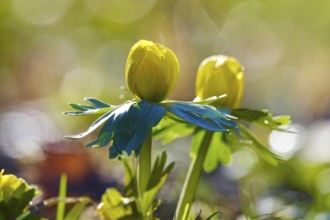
x,y
55,52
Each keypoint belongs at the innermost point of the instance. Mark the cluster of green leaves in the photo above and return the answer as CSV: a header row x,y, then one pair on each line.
x,y
220,149
15,196
138,203
300,189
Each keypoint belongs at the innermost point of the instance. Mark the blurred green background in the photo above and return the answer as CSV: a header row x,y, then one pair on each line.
x,y
55,52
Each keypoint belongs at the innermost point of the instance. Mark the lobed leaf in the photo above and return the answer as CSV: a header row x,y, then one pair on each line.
x,y
91,111
131,189
114,206
209,100
202,116
218,152
157,179
94,126
168,130
259,148
97,103
80,107
97,107
262,117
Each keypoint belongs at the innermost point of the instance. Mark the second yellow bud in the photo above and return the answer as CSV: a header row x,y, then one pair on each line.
x,y
218,75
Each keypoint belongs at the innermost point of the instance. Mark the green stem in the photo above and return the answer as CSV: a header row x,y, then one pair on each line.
x,y
61,196
144,169
192,178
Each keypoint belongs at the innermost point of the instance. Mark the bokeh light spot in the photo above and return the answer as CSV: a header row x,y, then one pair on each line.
x,y
41,11
242,163
317,147
286,144
323,181
23,131
80,83
248,48
123,11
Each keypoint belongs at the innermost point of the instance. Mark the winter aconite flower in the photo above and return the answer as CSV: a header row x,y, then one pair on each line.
x,y
218,75
152,71
151,74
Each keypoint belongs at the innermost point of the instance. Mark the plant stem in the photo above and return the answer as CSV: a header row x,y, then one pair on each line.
x,y
144,169
192,178
61,196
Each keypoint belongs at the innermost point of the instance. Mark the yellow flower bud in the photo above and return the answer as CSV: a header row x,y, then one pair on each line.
x,y
218,75
151,71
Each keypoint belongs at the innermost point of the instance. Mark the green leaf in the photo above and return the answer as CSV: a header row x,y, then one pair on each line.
x,y
20,199
209,100
262,117
282,120
76,210
97,103
19,191
159,170
94,126
97,111
131,189
80,107
196,141
114,206
156,205
211,216
259,148
218,152
28,216
168,130
98,107
249,115
144,203
157,179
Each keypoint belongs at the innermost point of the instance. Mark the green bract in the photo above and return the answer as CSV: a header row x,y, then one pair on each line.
x,y
151,71
218,75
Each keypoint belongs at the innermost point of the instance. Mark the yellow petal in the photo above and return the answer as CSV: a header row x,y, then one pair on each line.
x,y
218,75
